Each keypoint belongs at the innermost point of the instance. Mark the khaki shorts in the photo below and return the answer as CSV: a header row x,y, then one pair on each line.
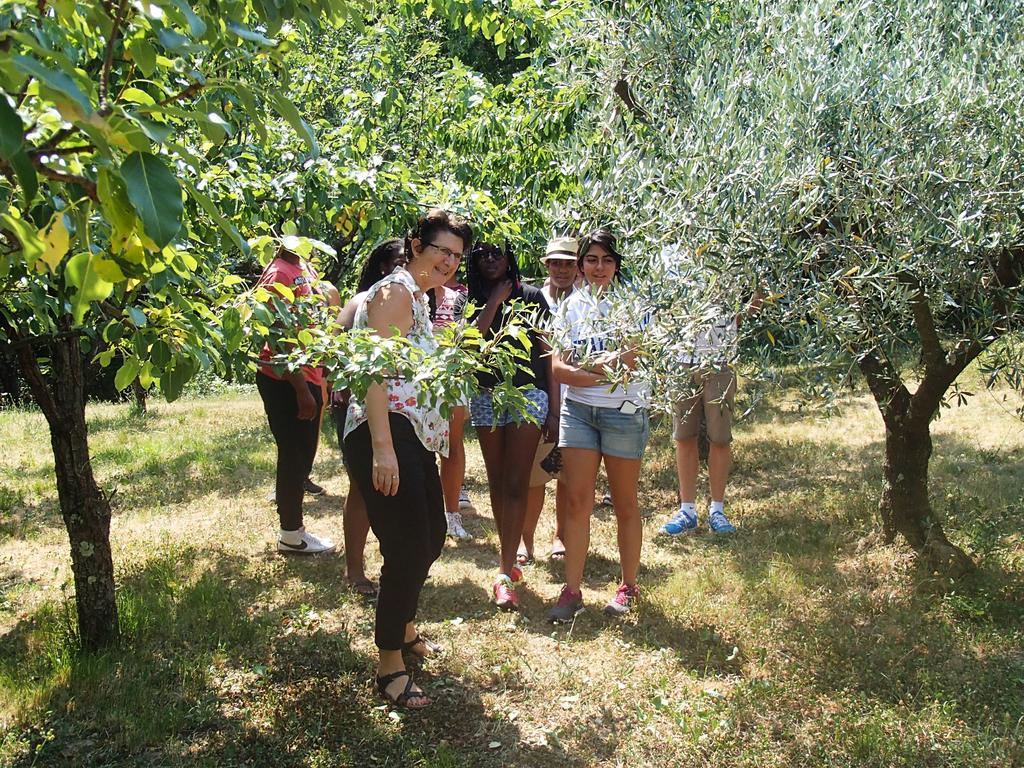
x,y
539,477
718,392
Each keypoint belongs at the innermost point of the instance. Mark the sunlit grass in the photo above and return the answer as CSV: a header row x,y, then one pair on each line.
x,y
800,641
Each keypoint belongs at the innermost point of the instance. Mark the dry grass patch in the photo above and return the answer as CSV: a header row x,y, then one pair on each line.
x,y
798,641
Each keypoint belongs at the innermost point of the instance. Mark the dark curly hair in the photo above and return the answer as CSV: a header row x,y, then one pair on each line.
x,y
479,292
383,253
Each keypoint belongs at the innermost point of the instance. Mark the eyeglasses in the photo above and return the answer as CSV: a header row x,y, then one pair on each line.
x,y
489,255
448,252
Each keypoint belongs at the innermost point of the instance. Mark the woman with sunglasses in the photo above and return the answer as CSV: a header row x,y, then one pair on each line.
x,y
390,441
599,421
509,440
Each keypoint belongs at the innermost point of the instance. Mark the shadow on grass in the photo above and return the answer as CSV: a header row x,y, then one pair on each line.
x,y
208,674
891,632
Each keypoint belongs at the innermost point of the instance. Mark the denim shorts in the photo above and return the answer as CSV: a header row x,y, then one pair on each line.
x,y
482,413
605,430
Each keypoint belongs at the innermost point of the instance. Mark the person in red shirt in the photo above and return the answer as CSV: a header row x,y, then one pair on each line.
x,y
292,401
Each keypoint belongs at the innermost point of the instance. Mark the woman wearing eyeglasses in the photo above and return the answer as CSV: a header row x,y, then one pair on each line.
x,y
599,421
509,440
390,441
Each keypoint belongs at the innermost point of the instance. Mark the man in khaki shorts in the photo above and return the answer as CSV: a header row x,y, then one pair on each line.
x,y
716,391
714,384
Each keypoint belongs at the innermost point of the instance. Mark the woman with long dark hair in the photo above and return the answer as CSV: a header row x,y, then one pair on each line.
x,y
390,440
381,262
509,440
599,421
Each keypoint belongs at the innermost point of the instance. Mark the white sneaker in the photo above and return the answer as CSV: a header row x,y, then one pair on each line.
x,y
455,529
302,542
464,502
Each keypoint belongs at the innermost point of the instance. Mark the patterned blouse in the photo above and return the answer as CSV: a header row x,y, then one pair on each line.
x,y
431,428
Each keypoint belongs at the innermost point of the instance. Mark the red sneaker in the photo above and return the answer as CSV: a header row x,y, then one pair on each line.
x,y
517,574
505,596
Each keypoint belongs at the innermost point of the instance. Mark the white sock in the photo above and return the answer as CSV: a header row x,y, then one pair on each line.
x,y
717,506
689,507
291,537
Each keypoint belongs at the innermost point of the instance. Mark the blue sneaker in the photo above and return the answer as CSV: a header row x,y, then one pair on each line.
x,y
682,522
719,523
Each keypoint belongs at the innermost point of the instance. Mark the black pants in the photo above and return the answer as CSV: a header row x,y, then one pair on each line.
x,y
296,444
410,525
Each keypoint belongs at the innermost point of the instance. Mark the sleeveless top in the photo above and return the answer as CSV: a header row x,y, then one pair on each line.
x,y
430,427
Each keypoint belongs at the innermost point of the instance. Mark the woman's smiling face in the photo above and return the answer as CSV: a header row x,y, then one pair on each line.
x,y
437,260
599,266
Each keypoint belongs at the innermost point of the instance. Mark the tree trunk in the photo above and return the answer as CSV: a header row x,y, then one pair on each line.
x,y
905,506
84,507
140,395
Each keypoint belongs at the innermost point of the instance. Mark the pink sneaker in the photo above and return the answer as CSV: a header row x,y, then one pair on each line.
x,y
567,608
623,600
505,596
517,574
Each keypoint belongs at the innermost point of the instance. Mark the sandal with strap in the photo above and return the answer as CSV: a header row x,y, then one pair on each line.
x,y
402,699
364,588
433,649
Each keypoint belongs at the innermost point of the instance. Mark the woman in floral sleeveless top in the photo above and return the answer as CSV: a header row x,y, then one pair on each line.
x,y
390,441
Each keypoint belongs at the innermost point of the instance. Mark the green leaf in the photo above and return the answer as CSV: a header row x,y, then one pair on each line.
x,y
144,55
195,24
154,194
81,274
26,173
114,200
256,116
288,111
174,378
137,96
231,323
127,373
160,354
12,130
113,331
31,244
155,131
57,81
174,41
214,213
252,36
138,317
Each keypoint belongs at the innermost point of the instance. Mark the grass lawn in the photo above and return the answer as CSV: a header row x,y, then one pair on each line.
x,y
800,641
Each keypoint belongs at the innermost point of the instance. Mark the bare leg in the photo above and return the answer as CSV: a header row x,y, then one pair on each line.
x,y
623,475
453,467
686,468
719,464
561,505
521,442
492,446
579,470
357,526
534,507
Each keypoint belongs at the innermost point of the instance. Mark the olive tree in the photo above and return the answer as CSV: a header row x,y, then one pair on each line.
x,y
860,161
